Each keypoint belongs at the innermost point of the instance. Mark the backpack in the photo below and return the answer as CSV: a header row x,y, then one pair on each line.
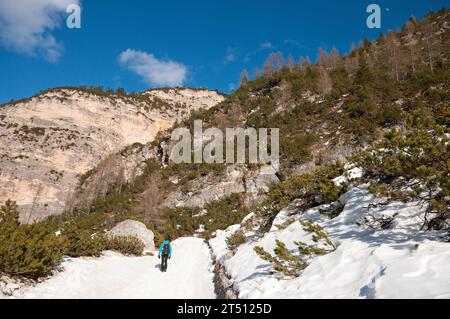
x,y
165,249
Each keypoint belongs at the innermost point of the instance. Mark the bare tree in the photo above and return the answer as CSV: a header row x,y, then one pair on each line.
x,y
323,58
267,68
334,57
36,196
393,47
353,49
290,62
274,63
304,62
277,63
430,42
325,83
257,73
244,77
411,42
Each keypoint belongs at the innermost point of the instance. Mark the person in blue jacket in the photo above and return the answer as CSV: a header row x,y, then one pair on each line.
x,y
165,250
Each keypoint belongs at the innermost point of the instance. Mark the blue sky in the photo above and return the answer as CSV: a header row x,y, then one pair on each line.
x,y
136,44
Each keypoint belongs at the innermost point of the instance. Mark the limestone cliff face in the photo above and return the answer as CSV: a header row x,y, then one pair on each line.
x,y
49,141
201,98
251,183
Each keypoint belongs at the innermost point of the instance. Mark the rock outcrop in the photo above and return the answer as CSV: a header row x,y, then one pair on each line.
x,y
50,141
253,184
132,228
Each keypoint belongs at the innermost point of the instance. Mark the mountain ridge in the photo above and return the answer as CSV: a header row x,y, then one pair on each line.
x,y
60,134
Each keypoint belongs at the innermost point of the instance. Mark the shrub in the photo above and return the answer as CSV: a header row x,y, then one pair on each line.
x,y
285,262
319,236
81,242
412,165
235,240
28,250
389,115
333,211
297,149
219,214
289,265
307,187
125,245
223,213
356,110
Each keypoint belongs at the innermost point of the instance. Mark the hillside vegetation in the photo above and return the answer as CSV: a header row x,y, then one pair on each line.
x,y
386,102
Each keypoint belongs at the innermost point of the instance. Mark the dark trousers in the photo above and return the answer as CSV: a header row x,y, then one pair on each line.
x,y
164,262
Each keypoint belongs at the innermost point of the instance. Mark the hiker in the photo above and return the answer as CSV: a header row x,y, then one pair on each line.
x,y
166,251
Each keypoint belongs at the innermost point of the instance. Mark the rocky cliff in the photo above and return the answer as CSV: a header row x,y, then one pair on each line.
x,y
49,141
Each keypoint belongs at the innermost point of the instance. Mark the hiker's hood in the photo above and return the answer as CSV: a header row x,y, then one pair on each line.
x,y
166,242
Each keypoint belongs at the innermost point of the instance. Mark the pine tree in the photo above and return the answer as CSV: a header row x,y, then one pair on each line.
x,y
30,250
81,242
285,262
412,165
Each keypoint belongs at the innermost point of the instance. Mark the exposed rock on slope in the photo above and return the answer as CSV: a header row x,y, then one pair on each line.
x,y
50,140
186,96
236,180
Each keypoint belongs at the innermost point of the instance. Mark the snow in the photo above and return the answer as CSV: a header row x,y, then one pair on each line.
x,y
218,243
189,276
247,218
201,229
351,174
402,262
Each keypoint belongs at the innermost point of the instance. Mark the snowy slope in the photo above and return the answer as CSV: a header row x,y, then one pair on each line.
x,y
116,276
402,262
398,263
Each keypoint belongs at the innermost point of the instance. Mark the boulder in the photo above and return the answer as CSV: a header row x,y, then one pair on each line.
x,y
132,228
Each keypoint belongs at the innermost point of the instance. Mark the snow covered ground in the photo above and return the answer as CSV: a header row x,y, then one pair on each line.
x,y
401,262
189,276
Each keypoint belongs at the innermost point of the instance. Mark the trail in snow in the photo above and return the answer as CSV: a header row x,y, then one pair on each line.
x,y
189,276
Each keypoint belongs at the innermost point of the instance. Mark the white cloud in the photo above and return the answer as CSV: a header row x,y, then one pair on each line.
x,y
26,26
266,45
230,56
296,44
153,71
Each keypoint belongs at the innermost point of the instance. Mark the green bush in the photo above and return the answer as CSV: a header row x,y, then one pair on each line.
x,y
125,245
319,236
297,149
412,165
219,214
81,242
289,265
389,115
235,240
307,187
284,261
28,250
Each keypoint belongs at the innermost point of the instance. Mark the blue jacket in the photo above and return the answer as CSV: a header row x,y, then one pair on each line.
x,y
166,242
